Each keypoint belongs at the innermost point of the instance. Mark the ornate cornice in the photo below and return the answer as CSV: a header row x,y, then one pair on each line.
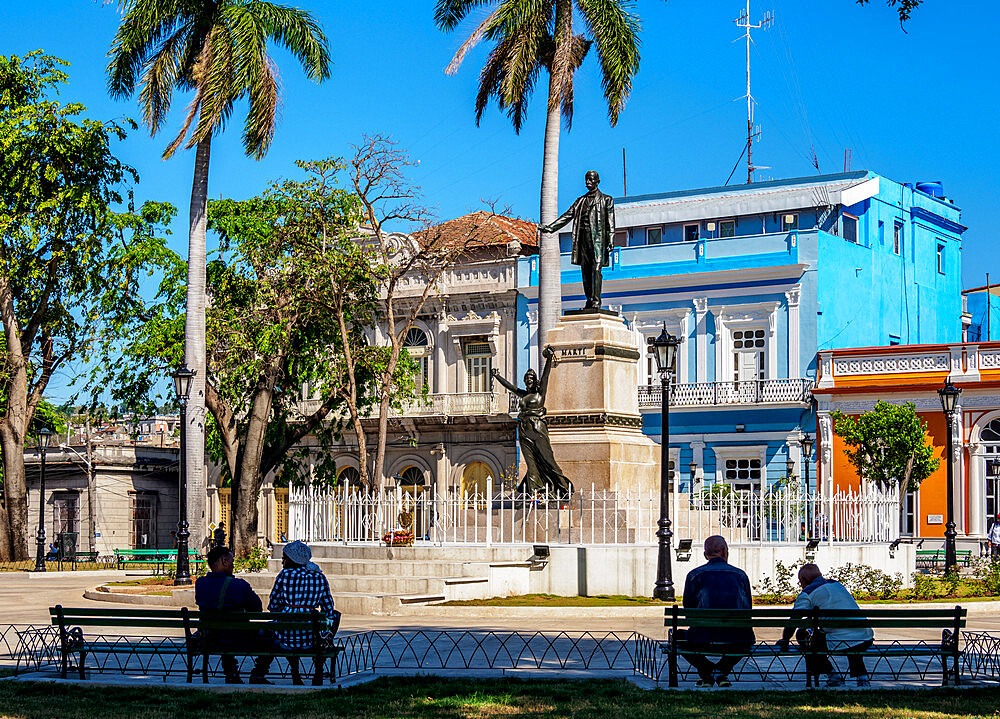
x,y
595,419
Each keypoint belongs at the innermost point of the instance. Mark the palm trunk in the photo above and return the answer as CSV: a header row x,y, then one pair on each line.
x,y
549,279
194,346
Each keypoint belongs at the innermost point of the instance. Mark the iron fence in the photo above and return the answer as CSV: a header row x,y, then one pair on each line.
x,y
981,655
781,514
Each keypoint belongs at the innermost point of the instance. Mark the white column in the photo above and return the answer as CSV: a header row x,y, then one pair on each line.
x,y
772,344
532,341
701,354
977,489
957,456
792,297
826,447
683,373
698,457
440,359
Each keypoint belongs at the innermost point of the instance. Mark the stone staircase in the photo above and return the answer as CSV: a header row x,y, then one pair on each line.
x,y
367,579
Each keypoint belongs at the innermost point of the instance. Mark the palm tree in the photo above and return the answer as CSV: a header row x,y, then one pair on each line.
x,y
218,50
531,35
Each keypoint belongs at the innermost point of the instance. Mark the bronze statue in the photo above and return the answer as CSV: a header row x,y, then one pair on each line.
x,y
593,218
533,433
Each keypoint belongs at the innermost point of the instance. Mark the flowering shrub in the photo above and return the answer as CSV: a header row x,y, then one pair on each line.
x,y
398,538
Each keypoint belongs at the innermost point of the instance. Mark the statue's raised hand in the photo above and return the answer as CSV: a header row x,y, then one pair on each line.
x,y
548,352
495,372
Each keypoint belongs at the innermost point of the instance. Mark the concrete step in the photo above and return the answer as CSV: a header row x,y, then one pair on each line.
x,y
394,568
451,553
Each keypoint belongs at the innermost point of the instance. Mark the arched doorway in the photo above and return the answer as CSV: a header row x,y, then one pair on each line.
x,y
476,478
415,344
350,476
990,437
411,476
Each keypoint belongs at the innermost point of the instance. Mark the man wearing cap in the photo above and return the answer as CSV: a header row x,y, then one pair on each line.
x,y
220,591
994,537
297,588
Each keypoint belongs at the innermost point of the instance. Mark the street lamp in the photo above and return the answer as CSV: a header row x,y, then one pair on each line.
x,y
182,386
44,437
807,448
664,348
949,402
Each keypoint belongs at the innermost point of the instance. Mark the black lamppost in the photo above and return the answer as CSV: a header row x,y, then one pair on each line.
x,y
949,401
664,348
44,436
182,386
807,448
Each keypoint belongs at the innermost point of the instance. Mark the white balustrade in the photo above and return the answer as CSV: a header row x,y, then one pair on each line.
x,y
782,515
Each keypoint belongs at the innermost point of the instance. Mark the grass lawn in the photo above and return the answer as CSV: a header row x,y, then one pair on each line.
x,y
488,698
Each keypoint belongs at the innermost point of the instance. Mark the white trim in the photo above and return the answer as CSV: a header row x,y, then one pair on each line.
x,y
701,339
740,452
733,436
792,298
744,316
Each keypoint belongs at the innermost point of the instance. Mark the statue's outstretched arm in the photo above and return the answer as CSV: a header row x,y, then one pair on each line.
x,y
560,221
512,388
548,353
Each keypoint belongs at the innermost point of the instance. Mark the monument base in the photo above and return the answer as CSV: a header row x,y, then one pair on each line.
x,y
593,405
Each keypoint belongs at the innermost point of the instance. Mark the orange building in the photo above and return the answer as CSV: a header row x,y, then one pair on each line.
x,y
853,380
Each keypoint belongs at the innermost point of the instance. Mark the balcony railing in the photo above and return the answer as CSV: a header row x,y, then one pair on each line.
x,y
463,403
707,394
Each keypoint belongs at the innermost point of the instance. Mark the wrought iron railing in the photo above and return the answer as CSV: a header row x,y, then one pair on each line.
x,y
707,394
445,404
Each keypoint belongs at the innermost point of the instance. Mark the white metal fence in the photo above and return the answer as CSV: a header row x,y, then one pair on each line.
x,y
780,515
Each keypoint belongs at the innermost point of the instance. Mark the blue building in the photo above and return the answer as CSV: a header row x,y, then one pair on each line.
x,y
755,280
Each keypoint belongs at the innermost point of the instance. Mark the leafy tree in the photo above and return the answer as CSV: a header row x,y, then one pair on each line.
x,y
411,252
66,258
887,446
531,36
904,7
270,333
218,50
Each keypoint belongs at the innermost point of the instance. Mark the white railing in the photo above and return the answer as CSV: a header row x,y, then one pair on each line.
x,y
781,515
462,403
700,394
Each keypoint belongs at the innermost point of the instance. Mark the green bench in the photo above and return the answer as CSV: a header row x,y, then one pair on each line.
x,y
201,634
930,558
158,558
949,621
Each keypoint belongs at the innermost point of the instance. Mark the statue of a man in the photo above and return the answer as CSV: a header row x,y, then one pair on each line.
x,y
593,217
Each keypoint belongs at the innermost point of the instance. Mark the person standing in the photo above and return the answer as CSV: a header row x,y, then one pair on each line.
x,y
994,537
716,585
819,592
220,591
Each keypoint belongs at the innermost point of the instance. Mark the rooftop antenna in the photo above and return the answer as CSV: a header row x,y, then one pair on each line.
x,y
743,21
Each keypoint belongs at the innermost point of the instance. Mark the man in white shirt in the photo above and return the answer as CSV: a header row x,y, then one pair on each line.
x,y
994,537
821,593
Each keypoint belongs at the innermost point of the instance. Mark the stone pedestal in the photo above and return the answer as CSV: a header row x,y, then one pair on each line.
x,y
593,406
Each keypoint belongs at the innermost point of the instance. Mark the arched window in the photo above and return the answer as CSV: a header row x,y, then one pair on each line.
x,y
991,432
475,478
411,476
415,344
349,474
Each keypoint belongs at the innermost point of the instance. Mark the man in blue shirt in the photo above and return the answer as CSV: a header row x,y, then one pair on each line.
x,y
220,591
821,593
716,585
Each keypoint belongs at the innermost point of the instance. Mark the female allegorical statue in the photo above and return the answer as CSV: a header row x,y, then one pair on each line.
x,y
543,471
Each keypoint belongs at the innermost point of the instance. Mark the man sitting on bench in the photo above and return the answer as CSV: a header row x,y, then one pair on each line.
x,y
716,585
297,588
821,593
220,591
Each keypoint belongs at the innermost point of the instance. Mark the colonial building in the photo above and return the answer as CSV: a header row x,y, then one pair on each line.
x,y
127,499
853,380
755,280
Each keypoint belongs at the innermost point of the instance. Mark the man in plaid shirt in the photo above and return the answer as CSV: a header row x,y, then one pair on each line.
x,y
299,587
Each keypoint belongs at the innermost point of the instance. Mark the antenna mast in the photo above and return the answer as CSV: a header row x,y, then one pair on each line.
x,y
743,21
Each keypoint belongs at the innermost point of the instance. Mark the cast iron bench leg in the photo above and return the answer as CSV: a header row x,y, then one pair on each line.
x,y
293,664
318,671
83,663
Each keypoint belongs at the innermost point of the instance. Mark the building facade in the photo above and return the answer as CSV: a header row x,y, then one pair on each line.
x,y
853,380
127,500
755,280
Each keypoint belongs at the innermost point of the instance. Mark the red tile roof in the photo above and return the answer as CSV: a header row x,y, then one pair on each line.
x,y
484,229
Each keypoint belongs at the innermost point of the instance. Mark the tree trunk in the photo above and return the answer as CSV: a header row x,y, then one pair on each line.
x,y
549,275
194,346
16,495
245,488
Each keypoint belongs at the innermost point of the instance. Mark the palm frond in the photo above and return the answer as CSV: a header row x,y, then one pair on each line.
x,y
296,31
472,41
615,30
144,24
161,75
449,13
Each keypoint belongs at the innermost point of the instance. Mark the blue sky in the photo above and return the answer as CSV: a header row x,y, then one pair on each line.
x,y
911,105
